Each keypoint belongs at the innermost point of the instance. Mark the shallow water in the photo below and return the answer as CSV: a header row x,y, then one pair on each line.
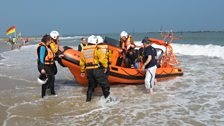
x,y
195,99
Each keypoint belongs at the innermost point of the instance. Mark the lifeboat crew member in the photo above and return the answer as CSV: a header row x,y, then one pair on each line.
x,y
104,49
82,44
129,52
127,45
46,64
95,63
55,47
105,52
54,44
123,39
149,64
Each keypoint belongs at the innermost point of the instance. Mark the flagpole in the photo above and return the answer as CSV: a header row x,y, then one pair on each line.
x,y
15,35
15,31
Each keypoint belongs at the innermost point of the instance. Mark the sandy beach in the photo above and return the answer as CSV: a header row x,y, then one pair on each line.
x,y
30,38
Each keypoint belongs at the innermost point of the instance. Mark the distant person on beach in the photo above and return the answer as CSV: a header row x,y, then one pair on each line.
x,y
11,43
19,42
26,41
82,44
14,41
149,64
46,64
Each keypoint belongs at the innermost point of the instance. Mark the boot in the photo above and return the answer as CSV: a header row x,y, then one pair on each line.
x,y
88,98
89,94
106,92
43,92
53,93
110,99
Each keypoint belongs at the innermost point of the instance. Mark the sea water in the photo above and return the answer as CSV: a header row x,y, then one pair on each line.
x,y
196,98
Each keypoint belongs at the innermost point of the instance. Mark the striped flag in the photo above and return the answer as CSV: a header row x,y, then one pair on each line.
x,y
11,30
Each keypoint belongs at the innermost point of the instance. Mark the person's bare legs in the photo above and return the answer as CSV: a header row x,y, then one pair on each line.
x,y
151,91
155,82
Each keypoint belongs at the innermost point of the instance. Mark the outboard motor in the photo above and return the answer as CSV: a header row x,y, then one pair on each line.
x,y
160,54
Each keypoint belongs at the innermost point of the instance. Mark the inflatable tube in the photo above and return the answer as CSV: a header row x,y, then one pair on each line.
x,y
158,42
117,74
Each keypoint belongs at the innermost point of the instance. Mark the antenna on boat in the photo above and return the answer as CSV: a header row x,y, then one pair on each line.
x,y
133,31
169,57
161,29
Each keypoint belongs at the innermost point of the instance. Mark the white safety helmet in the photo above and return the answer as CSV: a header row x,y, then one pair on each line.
x,y
42,79
124,34
99,39
92,39
54,34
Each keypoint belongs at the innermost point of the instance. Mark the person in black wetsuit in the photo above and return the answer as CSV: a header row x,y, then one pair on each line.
x,y
46,64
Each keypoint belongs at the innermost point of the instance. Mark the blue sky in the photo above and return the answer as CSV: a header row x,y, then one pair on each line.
x,y
37,17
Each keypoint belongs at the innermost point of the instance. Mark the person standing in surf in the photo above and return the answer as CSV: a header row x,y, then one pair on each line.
x,y
95,62
46,65
149,64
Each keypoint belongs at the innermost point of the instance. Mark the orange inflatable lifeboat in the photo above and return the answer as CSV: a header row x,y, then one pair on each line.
x,y
118,73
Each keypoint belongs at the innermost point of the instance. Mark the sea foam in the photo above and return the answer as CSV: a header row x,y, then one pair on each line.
x,y
209,50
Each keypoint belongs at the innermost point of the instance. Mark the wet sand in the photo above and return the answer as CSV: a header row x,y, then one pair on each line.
x,y
3,114
9,84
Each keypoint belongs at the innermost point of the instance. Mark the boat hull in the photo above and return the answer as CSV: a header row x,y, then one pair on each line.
x,y
117,74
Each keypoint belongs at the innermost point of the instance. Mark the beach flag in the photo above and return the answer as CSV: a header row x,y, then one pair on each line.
x,y
11,30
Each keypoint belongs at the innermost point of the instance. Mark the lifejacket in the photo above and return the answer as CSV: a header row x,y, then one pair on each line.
x,y
90,57
103,49
103,54
54,47
82,46
26,40
128,43
49,57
